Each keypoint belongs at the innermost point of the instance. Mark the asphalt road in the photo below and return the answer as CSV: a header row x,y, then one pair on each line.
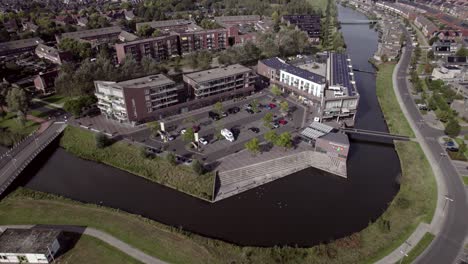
x,y
447,244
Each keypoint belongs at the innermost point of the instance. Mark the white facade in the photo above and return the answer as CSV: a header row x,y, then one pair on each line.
x,y
307,86
30,257
111,100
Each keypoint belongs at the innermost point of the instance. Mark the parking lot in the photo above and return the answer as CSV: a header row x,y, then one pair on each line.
x,y
239,123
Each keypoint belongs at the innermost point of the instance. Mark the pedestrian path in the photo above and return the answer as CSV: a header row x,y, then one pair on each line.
x,y
105,237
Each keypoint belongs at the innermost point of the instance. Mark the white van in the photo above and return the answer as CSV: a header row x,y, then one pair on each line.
x,y
227,134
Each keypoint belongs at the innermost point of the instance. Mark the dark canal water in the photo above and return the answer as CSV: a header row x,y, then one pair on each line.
x,y
303,209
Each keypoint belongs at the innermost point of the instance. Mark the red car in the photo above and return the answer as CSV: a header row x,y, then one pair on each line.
x,y
272,105
282,122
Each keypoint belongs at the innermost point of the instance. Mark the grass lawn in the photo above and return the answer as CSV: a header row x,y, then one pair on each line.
x,y
416,200
419,248
55,99
12,124
396,120
465,180
39,114
94,251
319,4
127,157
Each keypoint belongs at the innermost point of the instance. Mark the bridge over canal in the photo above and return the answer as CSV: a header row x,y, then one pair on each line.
x,y
13,162
375,134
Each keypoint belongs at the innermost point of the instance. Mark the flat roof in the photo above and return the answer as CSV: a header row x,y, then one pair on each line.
x,y
27,240
316,130
216,73
19,44
224,19
278,64
341,72
339,138
92,32
165,23
147,81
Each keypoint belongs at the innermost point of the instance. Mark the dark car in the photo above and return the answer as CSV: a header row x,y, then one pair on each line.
x,y
233,110
213,115
254,129
250,111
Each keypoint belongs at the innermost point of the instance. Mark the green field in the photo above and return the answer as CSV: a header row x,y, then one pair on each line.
x,y
419,248
55,99
128,157
465,180
416,200
12,130
319,4
94,251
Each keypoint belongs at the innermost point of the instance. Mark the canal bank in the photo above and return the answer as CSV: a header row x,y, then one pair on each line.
x,y
309,205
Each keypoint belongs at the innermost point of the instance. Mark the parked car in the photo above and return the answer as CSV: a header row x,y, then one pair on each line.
x,y
248,106
170,138
271,105
227,134
182,131
450,143
316,119
282,122
224,114
250,111
274,124
203,141
213,115
453,148
254,129
233,110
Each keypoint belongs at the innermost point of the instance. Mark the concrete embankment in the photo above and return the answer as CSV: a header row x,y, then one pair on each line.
x,y
271,166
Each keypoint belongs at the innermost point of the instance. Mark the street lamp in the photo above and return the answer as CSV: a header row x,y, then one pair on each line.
x,y
447,199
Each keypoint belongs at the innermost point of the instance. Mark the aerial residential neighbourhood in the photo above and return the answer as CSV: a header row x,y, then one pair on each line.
x,y
302,131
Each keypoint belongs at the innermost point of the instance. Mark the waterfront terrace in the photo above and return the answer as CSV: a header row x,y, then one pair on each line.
x,y
19,46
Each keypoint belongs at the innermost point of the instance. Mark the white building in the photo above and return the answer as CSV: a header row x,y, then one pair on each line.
x,y
29,245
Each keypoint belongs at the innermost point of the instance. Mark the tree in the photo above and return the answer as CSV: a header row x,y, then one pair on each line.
x,y
284,140
18,101
4,88
452,129
267,119
253,146
284,107
218,108
462,52
154,127
270,136
197,167
275,90
171,158
145,30
254,105
102,140
189,135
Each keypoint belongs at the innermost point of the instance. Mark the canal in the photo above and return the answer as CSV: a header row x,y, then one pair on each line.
x,y
303,209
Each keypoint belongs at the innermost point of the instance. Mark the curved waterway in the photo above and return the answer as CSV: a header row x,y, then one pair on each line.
x,y
302,209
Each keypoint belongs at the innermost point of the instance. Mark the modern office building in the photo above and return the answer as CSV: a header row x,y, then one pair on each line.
x,y
310,24
159,48
137,99
332,93
223,82
29,245
19,46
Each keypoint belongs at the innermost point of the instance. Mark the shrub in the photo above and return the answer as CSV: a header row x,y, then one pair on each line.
x,y
452,128
102,140
384,225
171,158
403,203
197,167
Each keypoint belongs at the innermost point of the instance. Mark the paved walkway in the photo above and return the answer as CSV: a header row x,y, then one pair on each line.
x,y
105,237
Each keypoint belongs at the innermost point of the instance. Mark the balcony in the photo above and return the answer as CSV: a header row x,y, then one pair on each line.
x,y
165,103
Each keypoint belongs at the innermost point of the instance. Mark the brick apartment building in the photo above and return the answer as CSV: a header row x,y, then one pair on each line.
x,y
226,81
99,35
169,25
19,46
155,97
310,24
159,48
52,54
45,82
137,99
